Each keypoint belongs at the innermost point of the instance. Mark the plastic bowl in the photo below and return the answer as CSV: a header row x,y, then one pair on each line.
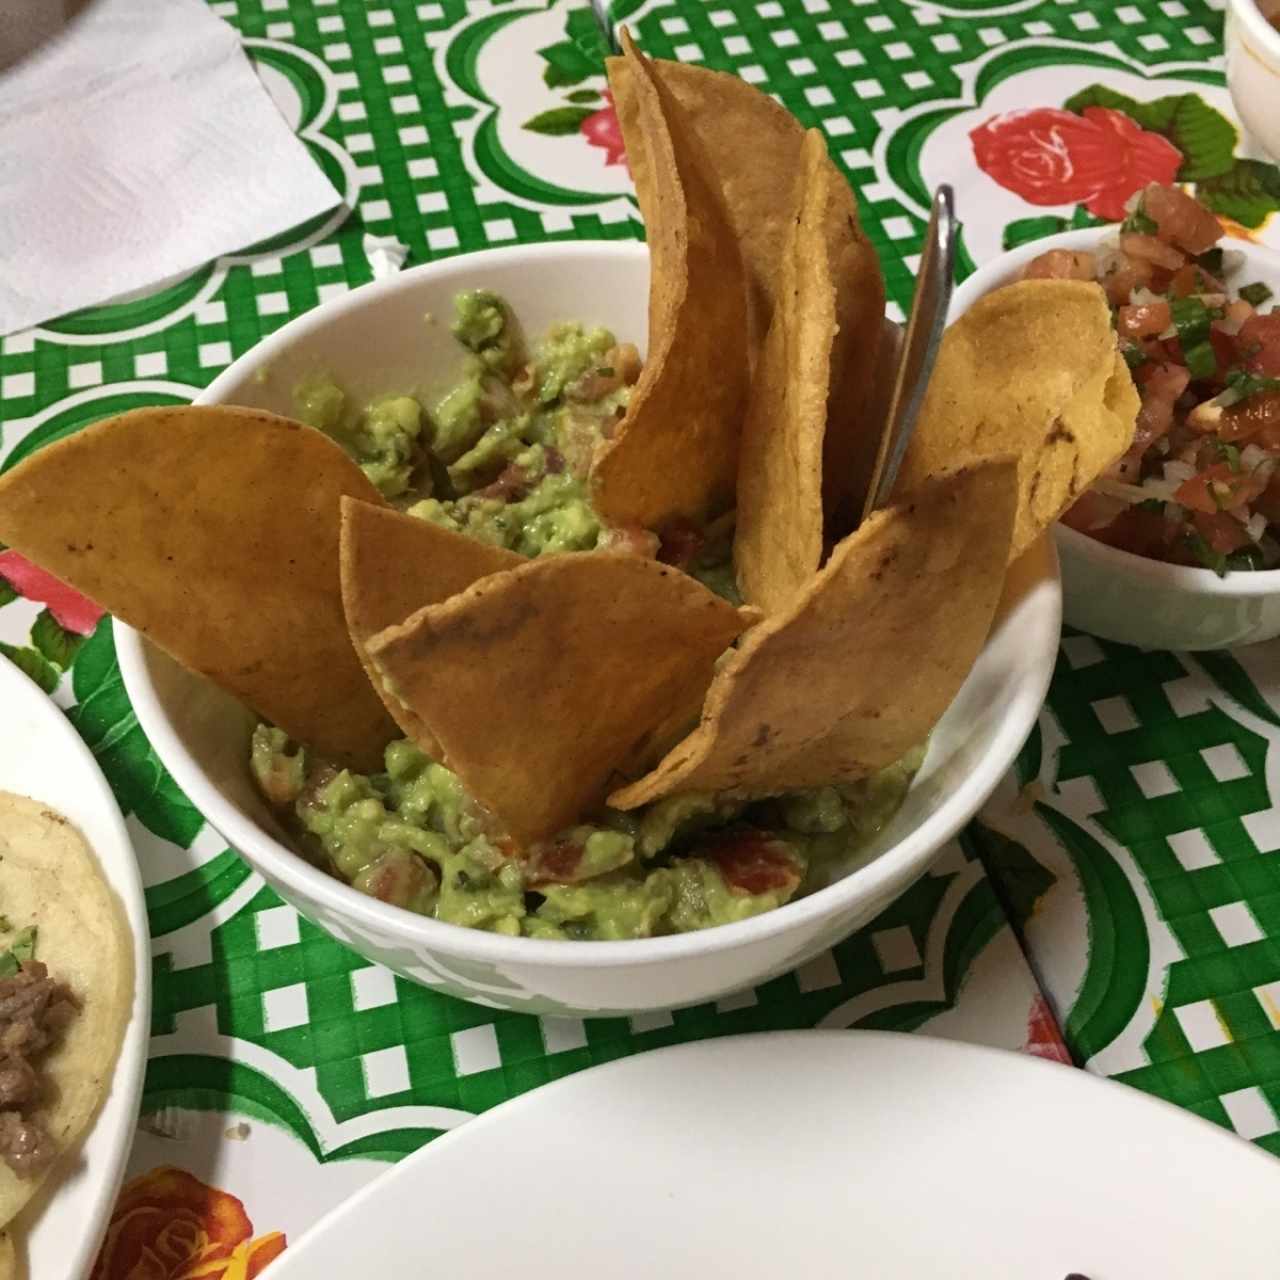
x,y
1120,596
375,340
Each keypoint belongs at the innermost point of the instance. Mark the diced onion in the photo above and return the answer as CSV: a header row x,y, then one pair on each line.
x,y
1174,513
1142,296
1176,473
1251,457
1232,261
1256,526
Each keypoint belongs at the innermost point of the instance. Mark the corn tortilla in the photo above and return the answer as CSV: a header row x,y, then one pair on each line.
x,y
675,455
861,666
1032,371
391,565
214,532
543,683
50,878
800,379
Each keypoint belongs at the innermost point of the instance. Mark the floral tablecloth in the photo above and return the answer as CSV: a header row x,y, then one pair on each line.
x,y
1124,883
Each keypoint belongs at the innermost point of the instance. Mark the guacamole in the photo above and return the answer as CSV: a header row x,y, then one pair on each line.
x,y
503,456
412,836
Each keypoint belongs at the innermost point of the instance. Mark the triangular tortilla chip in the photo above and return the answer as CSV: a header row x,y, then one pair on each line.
x,y
1031,371
543,683
859,669
391,566
801,378
675,455
214,532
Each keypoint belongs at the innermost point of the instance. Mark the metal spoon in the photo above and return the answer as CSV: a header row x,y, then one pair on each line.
x,y
919,347
601,9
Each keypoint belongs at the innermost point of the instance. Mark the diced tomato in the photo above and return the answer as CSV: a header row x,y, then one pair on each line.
x,y
1144,533
1061,264
1224,351
751,862
1093,510
1149,249
1256,418
1144,320
1268,501
557,861
1126,275
1259,343
1180,219
1223,533
681,543
1219,488
1160,386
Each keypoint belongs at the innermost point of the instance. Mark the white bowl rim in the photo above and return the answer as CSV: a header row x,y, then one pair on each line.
x,y
1243,583
914,851
1251,16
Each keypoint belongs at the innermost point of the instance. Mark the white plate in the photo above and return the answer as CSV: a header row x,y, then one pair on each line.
x,y
816,1154
43,757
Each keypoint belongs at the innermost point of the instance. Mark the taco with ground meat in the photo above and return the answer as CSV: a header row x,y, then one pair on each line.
x,y
65,992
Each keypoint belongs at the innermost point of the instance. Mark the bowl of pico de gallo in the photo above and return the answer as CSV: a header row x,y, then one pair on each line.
x,y
1178,545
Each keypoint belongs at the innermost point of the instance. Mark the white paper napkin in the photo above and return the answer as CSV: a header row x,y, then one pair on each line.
x,y
134,147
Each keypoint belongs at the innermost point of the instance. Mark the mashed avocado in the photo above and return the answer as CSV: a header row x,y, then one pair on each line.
x,y
503,456
413,837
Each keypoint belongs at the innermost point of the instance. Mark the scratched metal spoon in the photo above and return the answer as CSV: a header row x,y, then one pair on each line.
x,y
919,347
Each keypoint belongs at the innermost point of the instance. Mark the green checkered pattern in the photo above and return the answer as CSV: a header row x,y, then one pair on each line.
x,y
376,1040
1157,793
1157,758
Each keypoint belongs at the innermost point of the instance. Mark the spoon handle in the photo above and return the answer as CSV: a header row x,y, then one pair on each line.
x,y
919,346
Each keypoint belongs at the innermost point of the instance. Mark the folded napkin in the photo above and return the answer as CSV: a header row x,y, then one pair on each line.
x,y
136,145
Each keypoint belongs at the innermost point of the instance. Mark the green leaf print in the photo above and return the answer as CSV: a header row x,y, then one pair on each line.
x,y
7,593
1248,192
566,64
54,641
1206,138
107,723
579,57
583,95
559,121
33,663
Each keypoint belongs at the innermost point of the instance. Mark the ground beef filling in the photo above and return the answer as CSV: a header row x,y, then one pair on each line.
x,y
34,1012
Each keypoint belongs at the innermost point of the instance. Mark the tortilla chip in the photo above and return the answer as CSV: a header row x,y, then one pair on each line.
x,y
543,683
50,878
860,668
800,379
722,111
1032,371
392,565
675,455
214,532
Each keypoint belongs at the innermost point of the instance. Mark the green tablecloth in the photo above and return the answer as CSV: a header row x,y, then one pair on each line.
x,y
1132,855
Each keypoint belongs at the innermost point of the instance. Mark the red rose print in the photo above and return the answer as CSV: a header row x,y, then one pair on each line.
x,y
1098,159
69,608
601,129
1044,1040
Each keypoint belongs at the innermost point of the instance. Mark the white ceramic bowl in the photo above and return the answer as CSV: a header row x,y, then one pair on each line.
x,y
1253,68
374,340
1129,598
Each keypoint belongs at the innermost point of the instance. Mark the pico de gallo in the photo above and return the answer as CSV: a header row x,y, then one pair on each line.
x,y
1201,483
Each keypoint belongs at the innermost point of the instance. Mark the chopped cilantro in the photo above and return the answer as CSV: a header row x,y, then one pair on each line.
x,y
1246,384
1246,558
1229,453
1133,355
19,952
1255,294
1138,223
1211,261
1207,556
1201,361
1191,319
1154,505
